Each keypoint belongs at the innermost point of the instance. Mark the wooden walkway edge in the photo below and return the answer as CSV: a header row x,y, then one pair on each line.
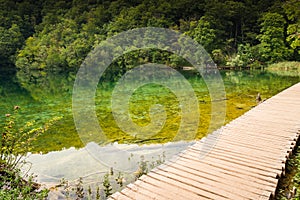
x,y
247,159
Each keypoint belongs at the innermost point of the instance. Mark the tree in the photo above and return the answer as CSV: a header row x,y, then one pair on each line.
x,y
10,41
272,46
59,47
292,11
203,33
145,14
244,57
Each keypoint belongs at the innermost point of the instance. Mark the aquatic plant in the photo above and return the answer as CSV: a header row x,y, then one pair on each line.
x,y
120,179
142,169
107,186
79,189
112,181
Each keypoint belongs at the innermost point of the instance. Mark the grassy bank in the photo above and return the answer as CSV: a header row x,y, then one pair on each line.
x,y
285,68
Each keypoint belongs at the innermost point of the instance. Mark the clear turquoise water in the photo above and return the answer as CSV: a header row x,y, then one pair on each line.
x,y
49,96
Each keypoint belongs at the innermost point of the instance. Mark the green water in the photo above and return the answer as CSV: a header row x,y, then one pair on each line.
x,y
49,96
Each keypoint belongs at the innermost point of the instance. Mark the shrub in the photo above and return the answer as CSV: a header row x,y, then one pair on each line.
x,y
15,142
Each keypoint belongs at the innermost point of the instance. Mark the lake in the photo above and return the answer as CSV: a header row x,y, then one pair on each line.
x,y
61,152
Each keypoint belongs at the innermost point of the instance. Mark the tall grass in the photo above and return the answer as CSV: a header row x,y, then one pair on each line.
x,y
291,68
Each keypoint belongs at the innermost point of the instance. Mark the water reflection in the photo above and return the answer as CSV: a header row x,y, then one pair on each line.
x,y
92,161
51,96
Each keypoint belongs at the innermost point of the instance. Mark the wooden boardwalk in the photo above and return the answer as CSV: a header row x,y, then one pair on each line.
x,y
246,161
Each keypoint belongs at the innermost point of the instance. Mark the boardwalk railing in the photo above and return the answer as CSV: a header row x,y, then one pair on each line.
x,y
245,162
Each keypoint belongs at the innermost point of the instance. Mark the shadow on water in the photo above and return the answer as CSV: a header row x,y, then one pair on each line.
x,y
10,88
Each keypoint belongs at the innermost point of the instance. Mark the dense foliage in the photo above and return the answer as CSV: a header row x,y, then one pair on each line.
x,y
14,186
42,36
51,35
15,142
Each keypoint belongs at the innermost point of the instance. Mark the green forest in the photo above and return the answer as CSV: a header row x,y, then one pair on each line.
x,y
44,42
51,35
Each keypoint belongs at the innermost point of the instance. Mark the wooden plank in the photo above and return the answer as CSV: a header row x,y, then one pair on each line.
x,y
247,149
210,185
156,190
187,189
201,185
252,143
119,196
257,164
266,135
131,192
223,173
237,155
146,190
181,190
253,155
236,167
219,180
